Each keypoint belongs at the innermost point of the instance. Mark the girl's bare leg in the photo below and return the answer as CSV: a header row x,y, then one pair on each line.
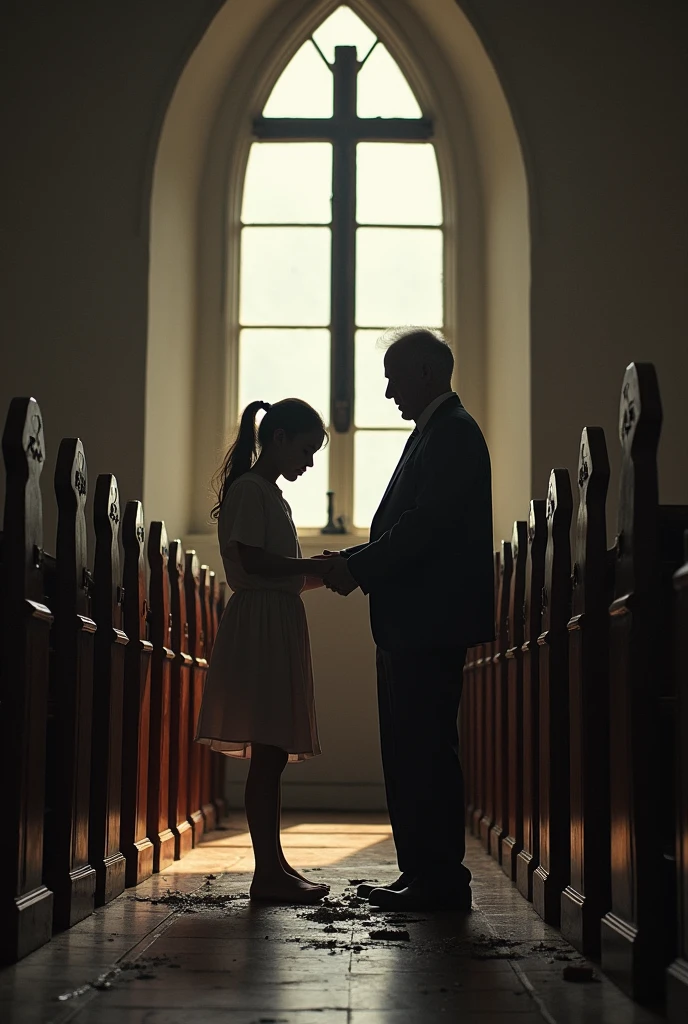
x,y
283,860
270,880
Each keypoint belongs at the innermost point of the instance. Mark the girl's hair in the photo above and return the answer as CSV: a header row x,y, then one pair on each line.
x,y
290,415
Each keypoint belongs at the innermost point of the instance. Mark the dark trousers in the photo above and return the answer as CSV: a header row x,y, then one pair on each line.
x,y
418,700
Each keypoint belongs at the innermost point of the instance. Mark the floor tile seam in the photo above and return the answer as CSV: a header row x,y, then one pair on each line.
x,y
539,1003
70,1012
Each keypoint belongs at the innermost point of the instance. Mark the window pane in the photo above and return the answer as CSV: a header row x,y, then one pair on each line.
x,y
382,89
398,277
288,182
398,183
285,276
371,408
376,454
304,89
276,364
308,495
344,28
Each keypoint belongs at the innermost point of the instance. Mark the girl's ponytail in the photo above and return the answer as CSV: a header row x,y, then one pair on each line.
x,y
240,456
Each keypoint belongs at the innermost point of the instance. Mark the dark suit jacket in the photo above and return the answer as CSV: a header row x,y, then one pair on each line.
x,y
428,566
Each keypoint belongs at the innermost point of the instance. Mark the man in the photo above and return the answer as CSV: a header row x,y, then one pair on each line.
x,y
428,569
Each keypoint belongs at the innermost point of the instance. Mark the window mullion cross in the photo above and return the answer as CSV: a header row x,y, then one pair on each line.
x,y
343,130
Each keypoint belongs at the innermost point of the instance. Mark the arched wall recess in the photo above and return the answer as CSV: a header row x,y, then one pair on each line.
x,y
486,225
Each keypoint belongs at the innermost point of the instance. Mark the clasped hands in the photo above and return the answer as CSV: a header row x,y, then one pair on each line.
x,y
337,578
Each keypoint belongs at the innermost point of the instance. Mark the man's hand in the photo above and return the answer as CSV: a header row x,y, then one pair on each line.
x,y
328,554
339,578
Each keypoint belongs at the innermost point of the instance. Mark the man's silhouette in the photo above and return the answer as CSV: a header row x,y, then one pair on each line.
x,y
428,569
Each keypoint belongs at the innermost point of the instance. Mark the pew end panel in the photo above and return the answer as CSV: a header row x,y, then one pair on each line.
x,y
66,866
26,903
180,715
135,842
192,583
512,843
552,873
108,685
501,707
488,819
677,973
208,756
587,897
528,858
159,829
638,932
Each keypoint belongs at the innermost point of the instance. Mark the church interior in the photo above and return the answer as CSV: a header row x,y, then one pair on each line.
x,y
212,203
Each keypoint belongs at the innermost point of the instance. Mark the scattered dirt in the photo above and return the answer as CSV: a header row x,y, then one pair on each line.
x,y
191,902
360,881
491,947
332,909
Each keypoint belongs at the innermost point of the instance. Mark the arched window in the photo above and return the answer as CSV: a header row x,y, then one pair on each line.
x,y
341,238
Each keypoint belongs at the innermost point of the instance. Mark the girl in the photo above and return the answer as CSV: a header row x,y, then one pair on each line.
x,y
258,698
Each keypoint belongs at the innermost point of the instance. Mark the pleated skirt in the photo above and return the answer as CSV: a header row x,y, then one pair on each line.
x,y
259,687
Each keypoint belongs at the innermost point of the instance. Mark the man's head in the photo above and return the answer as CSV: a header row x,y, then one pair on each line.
x,y
418,367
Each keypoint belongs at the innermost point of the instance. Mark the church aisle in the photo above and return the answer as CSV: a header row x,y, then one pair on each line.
x,y
188,947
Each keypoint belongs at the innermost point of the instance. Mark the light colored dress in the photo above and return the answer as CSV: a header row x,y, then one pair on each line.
x,y
260,680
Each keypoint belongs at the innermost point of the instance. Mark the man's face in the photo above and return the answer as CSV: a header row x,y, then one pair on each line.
x,y
406,383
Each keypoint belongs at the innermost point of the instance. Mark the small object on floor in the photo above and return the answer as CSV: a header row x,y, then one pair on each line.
x,y
391,934
578,972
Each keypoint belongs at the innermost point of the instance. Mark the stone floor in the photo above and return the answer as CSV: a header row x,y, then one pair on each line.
x,y
188,948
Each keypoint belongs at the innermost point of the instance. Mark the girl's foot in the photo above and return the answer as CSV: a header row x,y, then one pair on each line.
x,y
295,874
281,887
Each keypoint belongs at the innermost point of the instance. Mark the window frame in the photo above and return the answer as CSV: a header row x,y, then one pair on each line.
x,y
344,130
438,92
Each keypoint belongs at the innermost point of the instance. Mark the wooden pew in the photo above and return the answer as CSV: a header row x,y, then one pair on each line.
x,y
207,755
677,975
478,760
512,843
66,868
135,843
219,760
26,904
552,873
587,897
501,705
161,665
180,716
639,932
108,680
528,858
467,733
488,818
192,580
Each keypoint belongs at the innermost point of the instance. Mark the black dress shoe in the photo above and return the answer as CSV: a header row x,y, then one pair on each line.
x,y
421,897
363,891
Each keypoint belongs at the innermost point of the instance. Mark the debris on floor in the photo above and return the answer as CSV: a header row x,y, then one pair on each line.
x,y
391,934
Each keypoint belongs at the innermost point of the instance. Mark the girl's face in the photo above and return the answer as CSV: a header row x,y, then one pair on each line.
x,y
294,456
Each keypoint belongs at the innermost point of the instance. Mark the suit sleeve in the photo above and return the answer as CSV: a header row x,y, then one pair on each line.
x,y
452,463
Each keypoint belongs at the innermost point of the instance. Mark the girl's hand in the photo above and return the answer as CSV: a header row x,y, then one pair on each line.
x,y
312,583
